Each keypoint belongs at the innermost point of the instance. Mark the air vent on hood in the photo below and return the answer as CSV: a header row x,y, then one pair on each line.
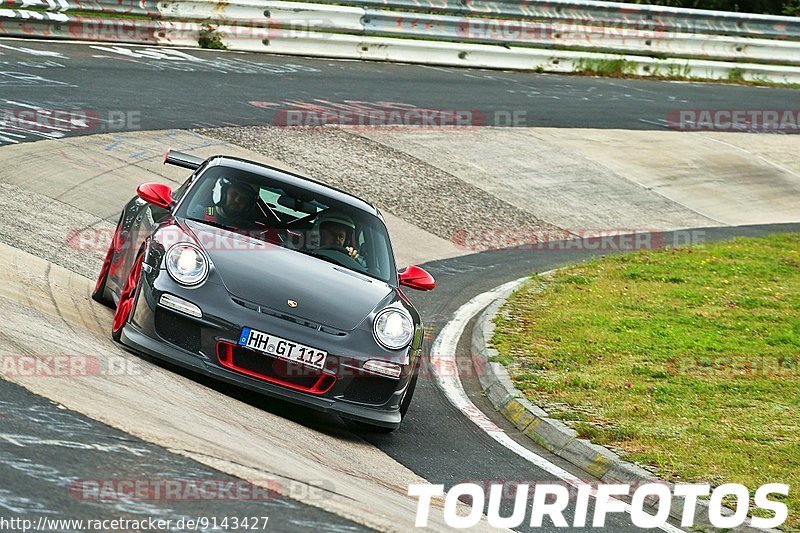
x,y
290,318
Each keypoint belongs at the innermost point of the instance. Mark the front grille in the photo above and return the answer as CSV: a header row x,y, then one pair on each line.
x,y
178,330
274,370
370,389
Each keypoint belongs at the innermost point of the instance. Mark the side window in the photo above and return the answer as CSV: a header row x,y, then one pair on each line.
x,y
269,197
202,197
382,255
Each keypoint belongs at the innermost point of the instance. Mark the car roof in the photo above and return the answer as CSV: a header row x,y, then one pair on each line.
x,y
296,180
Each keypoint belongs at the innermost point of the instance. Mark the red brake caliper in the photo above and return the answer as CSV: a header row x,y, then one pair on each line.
x,y
125,304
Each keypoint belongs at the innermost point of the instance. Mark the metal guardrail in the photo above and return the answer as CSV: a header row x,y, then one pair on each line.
x,y
589,12
144,8
571,36
616,14
539,35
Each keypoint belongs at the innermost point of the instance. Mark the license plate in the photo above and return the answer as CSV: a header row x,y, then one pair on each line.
x,y
282,348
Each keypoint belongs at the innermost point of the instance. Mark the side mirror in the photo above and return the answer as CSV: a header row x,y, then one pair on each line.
x,y
156,194
417,278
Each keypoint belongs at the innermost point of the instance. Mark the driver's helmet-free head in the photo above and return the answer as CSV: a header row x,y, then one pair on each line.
x,y
236,196
335,228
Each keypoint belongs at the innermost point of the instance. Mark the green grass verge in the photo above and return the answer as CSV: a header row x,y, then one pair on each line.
x,y
622,68
614,68
685,360
210,38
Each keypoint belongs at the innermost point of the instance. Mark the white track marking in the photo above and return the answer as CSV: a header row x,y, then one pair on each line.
x,y
443,358
30,51
11,440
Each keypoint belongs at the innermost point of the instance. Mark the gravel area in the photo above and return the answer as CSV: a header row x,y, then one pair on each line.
x,y
58,232
392,180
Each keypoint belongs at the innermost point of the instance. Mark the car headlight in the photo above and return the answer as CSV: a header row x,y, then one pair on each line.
x,y
187,264
393,329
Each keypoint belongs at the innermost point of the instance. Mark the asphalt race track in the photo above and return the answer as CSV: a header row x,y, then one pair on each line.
x,y
151,89
43,447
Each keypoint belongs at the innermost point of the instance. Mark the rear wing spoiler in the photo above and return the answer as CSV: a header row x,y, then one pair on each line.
x,y
179,159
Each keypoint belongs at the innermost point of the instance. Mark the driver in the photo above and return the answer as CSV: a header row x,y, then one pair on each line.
x,y
235,205
337,229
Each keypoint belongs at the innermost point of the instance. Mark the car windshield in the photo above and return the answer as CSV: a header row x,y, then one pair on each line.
x,y
292,217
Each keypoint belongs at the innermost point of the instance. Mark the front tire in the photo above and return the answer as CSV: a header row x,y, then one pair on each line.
x,y
99,293
404,405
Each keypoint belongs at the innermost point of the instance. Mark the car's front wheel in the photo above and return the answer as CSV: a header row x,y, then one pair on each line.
x,y
409,394
99,293
404,405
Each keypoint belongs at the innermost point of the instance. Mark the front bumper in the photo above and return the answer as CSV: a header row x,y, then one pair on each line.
x,y
204,345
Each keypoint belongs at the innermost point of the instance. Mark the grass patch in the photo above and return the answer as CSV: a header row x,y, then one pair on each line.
x,y
686,359
736,75
618,68
210,38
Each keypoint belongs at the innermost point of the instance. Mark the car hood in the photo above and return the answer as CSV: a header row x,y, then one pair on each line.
x,y
270,276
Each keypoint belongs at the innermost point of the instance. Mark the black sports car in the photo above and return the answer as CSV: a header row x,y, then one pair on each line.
x,y
269,280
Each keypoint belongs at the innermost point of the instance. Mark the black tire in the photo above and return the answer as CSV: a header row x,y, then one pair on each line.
x,y
404,405
99,294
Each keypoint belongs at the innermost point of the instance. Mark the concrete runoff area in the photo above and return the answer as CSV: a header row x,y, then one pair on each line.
x,y
398,182
50,188
606,179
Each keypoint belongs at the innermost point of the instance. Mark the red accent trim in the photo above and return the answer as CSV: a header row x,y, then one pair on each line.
x,y
123,311
225,357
